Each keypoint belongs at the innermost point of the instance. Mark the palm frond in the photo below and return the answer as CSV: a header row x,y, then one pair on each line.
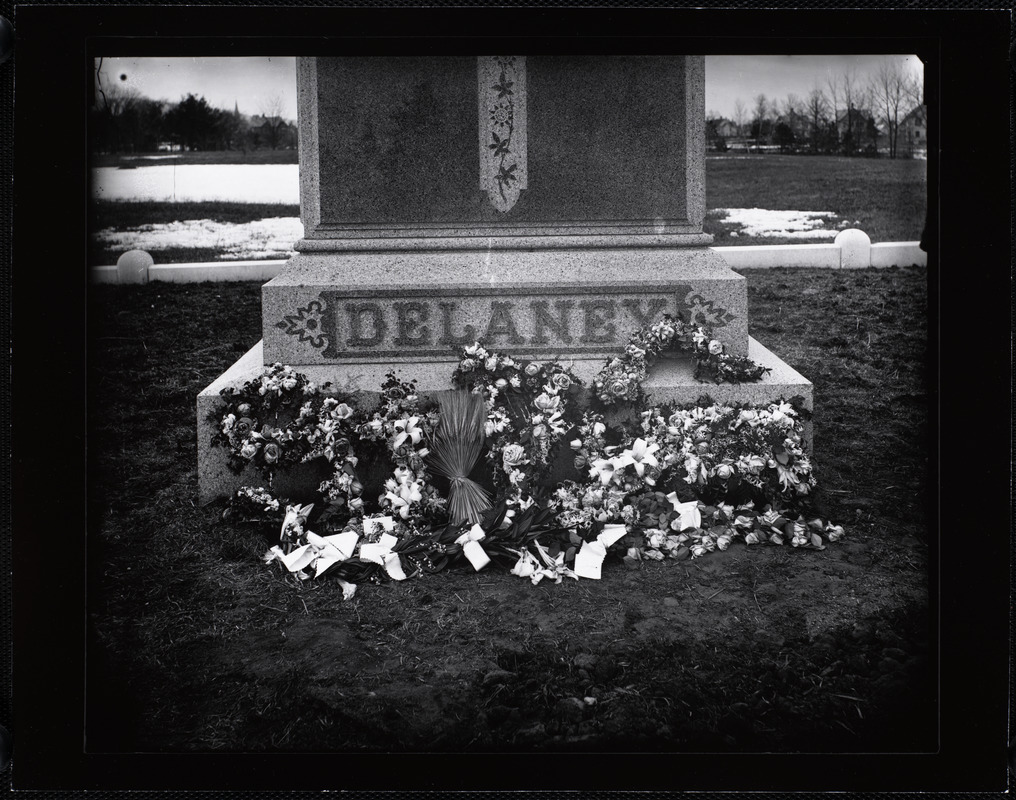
x,y
456,447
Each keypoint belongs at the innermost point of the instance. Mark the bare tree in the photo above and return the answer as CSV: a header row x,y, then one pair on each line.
x,y
115,113
851,98
832,83
892,92
271,108
793,111
761,110
740,116
816,107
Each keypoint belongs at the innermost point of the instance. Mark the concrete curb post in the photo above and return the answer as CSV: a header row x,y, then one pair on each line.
x,y
133,267
855,248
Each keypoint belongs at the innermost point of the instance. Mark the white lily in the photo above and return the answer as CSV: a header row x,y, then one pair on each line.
x,y
641,455
603,468
555,569
408,429
403,498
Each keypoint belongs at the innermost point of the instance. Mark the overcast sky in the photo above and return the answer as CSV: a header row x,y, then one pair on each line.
x,y
252,83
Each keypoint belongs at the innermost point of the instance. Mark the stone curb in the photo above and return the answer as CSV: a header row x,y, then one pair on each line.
x,y
851,250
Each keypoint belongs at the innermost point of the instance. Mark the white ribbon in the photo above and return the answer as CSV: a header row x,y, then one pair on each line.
x,y
691,517
470,541
589,559
333,549
381,553
320,551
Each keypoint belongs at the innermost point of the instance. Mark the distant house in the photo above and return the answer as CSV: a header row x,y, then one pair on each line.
x,y
913,133
726,128
718,132
861,125
272,132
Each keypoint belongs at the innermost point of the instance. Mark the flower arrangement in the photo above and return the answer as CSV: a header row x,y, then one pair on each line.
x,y
674,483
405,427
621,379
268,420
528,405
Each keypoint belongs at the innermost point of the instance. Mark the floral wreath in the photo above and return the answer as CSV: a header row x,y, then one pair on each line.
x,y
622,377
528,413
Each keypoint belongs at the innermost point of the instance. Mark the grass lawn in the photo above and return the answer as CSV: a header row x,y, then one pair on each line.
x,y
887,198
194,644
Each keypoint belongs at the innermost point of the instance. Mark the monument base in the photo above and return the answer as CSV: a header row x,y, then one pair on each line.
x,y
670,381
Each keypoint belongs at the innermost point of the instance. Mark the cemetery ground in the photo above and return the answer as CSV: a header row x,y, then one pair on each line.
x,y
195,644
883,197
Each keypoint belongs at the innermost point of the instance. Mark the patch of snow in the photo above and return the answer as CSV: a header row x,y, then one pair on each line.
x,y
236,241
239,183
762,223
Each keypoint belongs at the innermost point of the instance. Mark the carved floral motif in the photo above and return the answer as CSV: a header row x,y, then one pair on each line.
x,y
502,109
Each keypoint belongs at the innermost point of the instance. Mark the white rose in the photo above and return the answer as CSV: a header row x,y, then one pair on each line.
x,y
513,455
715,347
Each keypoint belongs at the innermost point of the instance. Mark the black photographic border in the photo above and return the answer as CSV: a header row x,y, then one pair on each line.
x,y
969,94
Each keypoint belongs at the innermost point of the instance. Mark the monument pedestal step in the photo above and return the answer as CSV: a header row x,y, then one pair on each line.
x,y
355,307
670,381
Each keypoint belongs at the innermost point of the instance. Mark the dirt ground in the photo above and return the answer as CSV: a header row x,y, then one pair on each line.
x,y
195,644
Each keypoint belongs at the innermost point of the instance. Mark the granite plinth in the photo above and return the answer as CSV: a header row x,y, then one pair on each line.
x,y
398,307
670,381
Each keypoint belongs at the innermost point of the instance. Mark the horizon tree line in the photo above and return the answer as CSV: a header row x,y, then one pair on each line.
x,y
123,120
849,115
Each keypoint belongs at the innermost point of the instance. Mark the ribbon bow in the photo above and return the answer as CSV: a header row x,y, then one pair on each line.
x,y
320,552
381,553
690,515
589,560
332,549
471,549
